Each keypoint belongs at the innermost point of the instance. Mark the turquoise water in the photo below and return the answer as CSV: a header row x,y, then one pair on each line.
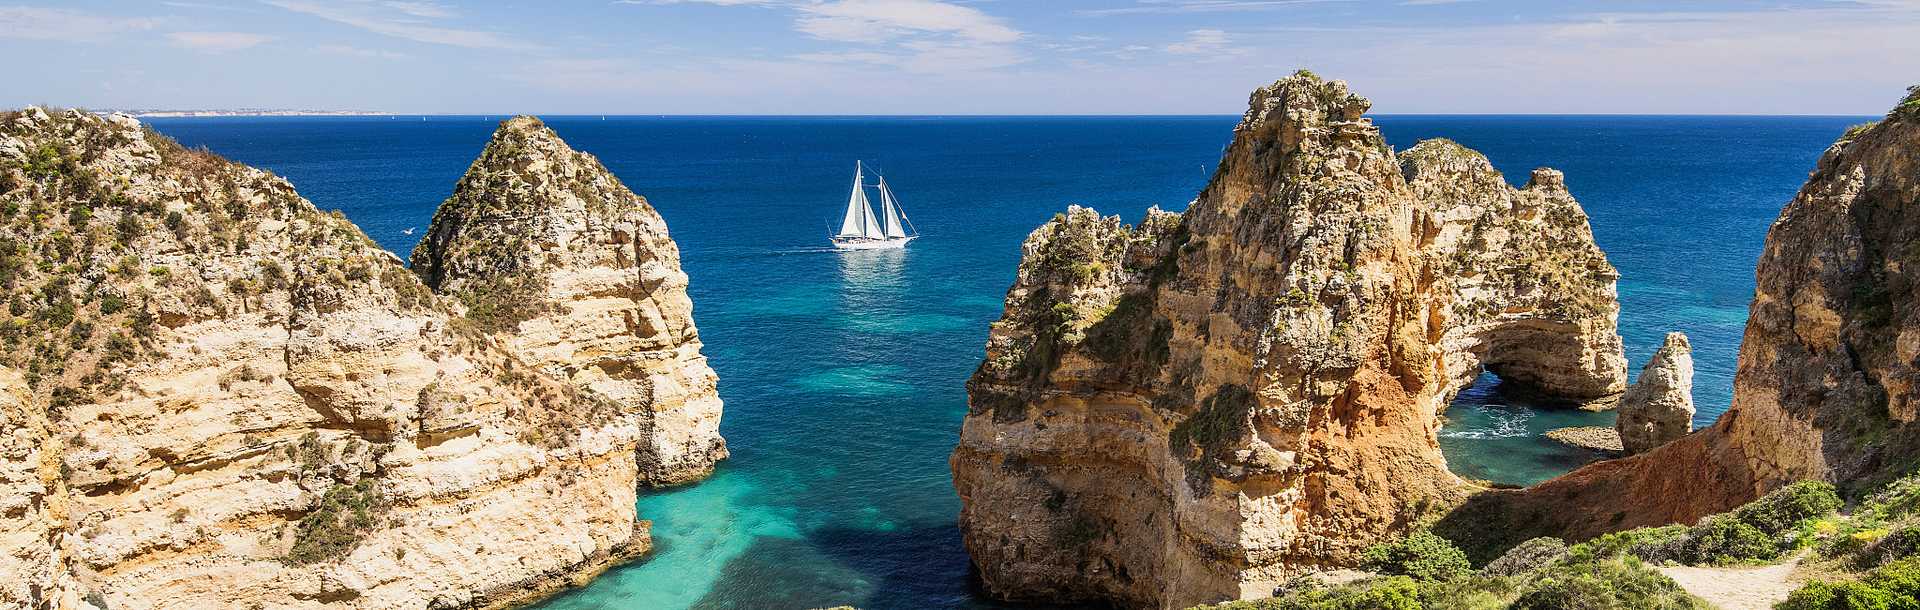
x,y
842,373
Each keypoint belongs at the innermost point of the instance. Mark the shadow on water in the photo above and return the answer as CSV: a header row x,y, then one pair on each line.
x,y
907,568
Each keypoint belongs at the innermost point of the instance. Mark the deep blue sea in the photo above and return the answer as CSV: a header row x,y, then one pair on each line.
x,y
842,373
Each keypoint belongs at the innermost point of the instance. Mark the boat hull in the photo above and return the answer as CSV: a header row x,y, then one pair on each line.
x,y
861,243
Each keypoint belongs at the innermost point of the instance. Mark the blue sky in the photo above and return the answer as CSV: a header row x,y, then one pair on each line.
x,y
959,56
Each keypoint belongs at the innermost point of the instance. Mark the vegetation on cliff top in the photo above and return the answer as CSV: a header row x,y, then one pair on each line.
x,y
1613,571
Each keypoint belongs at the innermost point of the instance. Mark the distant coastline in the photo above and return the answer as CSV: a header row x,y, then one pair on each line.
x,y
242,112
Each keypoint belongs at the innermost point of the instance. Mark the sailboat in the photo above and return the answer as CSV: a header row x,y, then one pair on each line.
x,y
860,229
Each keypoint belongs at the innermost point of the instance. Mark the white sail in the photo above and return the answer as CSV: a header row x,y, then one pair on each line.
x,y
871,229
890,211
859,221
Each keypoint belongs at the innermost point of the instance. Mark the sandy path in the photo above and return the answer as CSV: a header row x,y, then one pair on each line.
x,y
1741,588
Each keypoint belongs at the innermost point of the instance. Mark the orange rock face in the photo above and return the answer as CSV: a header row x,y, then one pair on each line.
x,y
1199,407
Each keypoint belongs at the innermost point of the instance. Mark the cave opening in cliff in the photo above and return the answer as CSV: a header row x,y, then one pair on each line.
x,y
1495,431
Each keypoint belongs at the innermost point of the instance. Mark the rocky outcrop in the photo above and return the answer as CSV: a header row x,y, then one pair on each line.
x,y
216,396
1658,408
545,246
1201,406
1825,385
1592,438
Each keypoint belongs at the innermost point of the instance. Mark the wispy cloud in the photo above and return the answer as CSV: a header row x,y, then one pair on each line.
x,y
401,20
1203,6
924,36
1206,42
353,51
217,42
33,23
883,20
431,10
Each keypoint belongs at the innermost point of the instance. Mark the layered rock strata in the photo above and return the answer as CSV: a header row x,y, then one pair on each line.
x,y
1658,408
1825,387
547,247
216,396
1198,407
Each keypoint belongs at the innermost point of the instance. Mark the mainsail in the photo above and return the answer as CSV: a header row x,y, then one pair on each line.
x,y
859,221
890,211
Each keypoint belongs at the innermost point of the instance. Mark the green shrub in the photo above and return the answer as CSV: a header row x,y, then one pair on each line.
x,y
1423,556
336,524
1606,584
1895,586
1528,556
1784,509
1628,542
1724,540
1392,593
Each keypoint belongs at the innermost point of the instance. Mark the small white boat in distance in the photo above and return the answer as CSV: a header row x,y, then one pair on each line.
x,y
860,229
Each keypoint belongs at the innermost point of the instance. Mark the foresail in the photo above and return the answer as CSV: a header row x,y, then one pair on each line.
x,y
890,211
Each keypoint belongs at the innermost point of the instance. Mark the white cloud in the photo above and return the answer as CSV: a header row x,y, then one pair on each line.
x,y
430,10
352,51
882,20
922,36
716,2
32,23
217,42
1203,6
1205,42
376,19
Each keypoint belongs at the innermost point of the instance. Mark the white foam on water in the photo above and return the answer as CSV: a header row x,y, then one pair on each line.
x,y
1502,422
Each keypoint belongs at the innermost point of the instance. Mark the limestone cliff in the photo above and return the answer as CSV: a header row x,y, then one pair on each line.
x,y
1658,408
1825,387
1200,406
546,246
216,396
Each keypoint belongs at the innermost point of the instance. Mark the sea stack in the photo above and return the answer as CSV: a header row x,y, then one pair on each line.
x,y
1825,387
1658,408
546,247
1198,407
217,396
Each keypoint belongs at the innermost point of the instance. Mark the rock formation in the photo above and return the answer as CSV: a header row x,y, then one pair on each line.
x,y
213,395
1201,406
1592,438
1658,408
544,244
1825,384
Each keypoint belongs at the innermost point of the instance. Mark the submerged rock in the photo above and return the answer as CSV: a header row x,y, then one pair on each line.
x,y
1207,404
1593,438
1658,408
577,274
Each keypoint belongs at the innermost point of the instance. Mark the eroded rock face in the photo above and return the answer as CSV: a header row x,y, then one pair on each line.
x,y
1201,406
1825,385
1658,408
577,273
216,396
